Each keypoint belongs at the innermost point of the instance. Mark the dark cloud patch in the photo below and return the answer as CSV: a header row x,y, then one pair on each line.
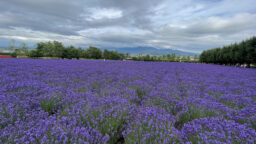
x,y
66,17
49,16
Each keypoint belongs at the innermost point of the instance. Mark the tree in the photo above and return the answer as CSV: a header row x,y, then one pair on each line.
x,y
21,51
40,49
75,53
106,54
241,53
127,55
84,54
58,49
114,55
80,52
33,53
11,47
69,52
94,52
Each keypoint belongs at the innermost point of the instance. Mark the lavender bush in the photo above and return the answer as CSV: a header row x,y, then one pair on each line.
x,y
98,102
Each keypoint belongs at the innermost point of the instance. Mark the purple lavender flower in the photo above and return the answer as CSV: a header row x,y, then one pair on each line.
x,y
93,101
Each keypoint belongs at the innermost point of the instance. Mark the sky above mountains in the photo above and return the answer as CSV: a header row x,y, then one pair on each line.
x,y
188,25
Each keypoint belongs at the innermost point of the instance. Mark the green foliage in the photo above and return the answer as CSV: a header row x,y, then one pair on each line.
x,y
111,125
114,55
3,53
242,53
33,53
57,50
49,49
21,51
9,117
145,133
193,112
5,113
94,52
160,102
50,105
71,52
253,123
140,93
14,54
165,58
11,47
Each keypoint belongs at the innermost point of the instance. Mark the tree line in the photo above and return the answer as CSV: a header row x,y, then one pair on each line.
x,y
234,54
167,58
58,50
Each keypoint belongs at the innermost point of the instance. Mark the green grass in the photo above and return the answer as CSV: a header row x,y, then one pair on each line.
x,y
110,125
139,91
216,95
138,131
50,105
193,113
160,102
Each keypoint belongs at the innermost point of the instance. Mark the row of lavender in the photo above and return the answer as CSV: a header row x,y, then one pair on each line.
x,y
78,101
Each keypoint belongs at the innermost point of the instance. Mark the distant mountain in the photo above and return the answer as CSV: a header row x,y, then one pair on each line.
x,y
137,51
3,48
150,51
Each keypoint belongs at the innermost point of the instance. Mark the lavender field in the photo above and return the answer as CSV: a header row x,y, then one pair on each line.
x,y
115,102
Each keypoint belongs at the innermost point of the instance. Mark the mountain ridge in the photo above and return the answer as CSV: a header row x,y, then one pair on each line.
x,y
150,50
140,50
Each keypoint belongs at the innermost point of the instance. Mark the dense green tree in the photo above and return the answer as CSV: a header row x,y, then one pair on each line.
x,y
234,54
71,52
94,52
58,49
40,49
84,54
106,54
80,52
114,55
33,53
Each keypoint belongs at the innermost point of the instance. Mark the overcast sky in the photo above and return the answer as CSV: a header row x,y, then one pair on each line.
x,y
189,25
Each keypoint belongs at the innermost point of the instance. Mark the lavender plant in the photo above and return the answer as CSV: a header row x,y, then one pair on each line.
x,y
115,102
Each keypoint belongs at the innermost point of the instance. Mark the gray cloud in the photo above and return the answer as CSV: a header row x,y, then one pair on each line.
x,y
68,17
190,25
